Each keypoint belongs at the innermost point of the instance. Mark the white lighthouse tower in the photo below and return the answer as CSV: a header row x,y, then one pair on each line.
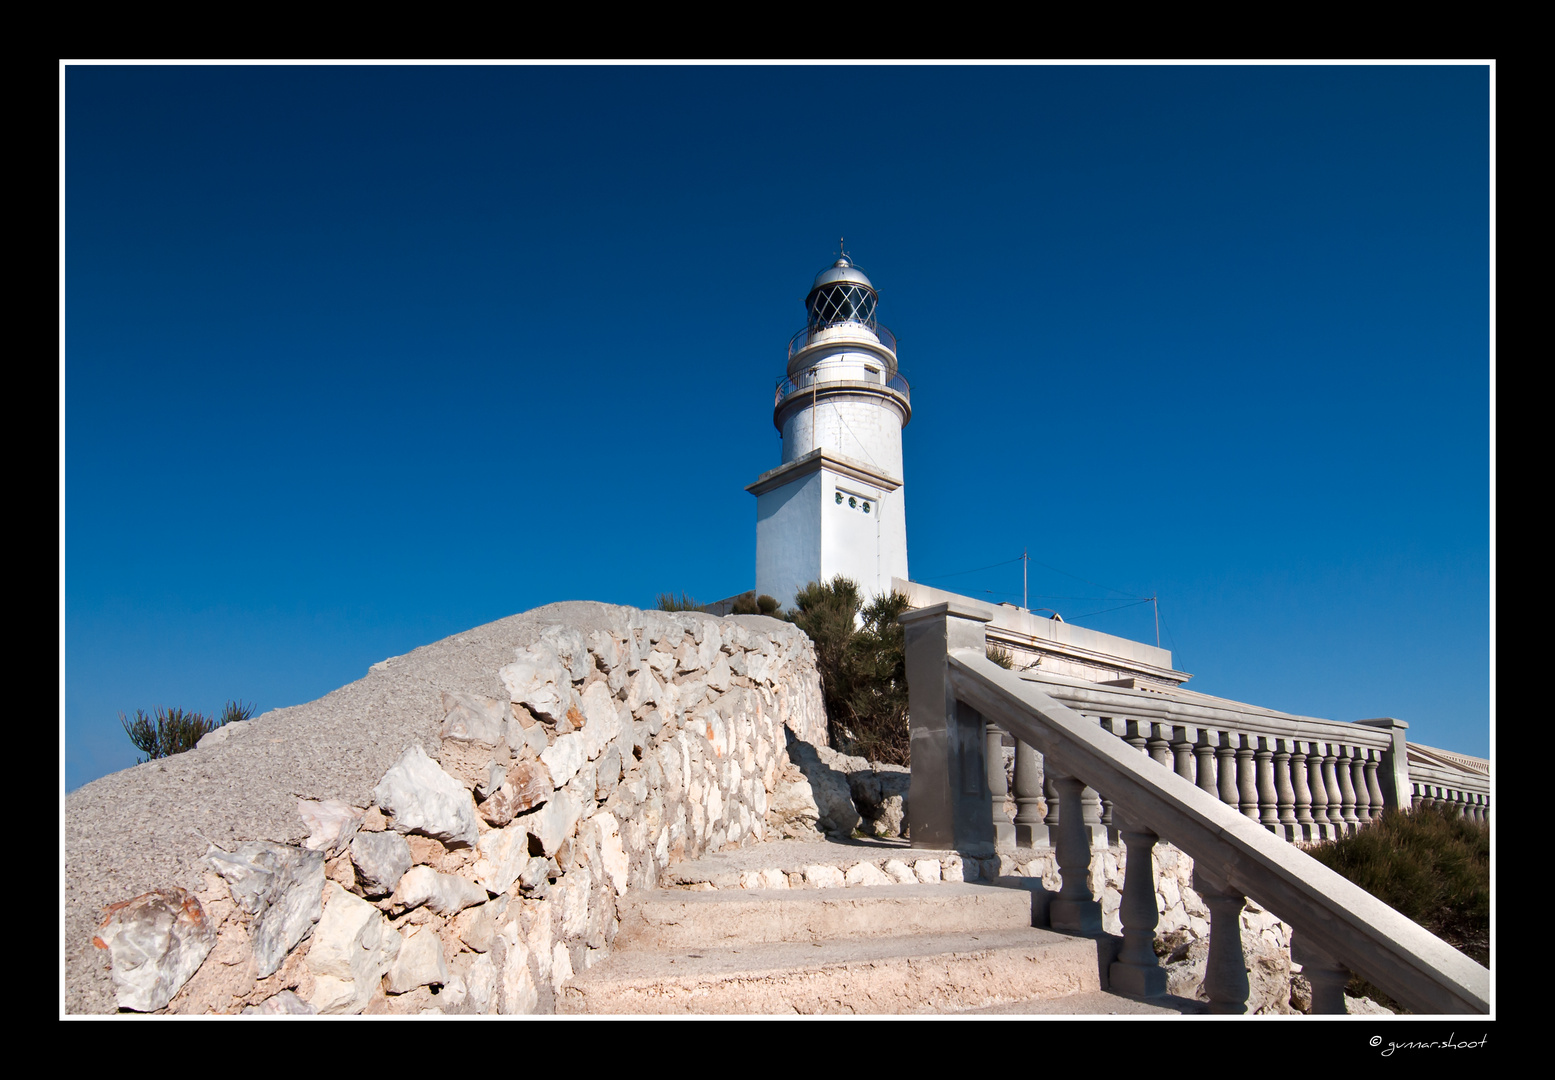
x,y
835,505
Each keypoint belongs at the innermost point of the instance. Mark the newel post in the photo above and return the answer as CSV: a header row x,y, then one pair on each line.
x,y
1393,774
949,803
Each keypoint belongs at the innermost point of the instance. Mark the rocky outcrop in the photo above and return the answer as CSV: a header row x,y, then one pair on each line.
x,y
458,827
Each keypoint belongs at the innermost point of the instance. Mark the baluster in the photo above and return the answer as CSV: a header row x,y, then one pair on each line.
x,y
1321,829
1335,796
1137,970
1416,796
1029,829
1225,972
1109,827
1206,755
1358,776
1050,796
1246,777
1306,829
1159,748
1268,811
1182,752
1373,787
1091,808
1225,768
1075,908
999,785
1284,794
1346,791
1486,818
1134,736
1327,976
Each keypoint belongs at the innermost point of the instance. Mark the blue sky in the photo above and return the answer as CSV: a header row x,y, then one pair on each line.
x,y
357,358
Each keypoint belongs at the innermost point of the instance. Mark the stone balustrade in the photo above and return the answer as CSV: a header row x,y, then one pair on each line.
x,y
1227,785
1302,778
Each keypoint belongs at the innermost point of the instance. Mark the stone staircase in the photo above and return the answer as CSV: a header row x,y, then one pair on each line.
x,y
707,945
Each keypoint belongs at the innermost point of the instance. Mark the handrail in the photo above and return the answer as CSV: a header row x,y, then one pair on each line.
x,y
790,385
1332,914
1162,708
801,339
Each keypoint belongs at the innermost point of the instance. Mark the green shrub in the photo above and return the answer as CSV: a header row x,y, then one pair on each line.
x,y
751,604
1428,865
863,667
670,602
1003,657
172,731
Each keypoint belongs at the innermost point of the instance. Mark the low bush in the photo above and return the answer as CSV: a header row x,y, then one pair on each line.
x,y
1428,865
751,604
166,732
861,654
670,602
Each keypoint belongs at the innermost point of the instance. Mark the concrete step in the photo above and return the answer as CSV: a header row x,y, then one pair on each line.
x,y
901,973
678,919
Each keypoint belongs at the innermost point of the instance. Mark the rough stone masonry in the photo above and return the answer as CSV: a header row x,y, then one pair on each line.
x,y
451,832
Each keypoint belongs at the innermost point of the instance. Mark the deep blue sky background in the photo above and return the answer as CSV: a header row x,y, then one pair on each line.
x,y
359,358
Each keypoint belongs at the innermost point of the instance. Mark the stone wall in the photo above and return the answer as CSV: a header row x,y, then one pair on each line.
x,y
485,864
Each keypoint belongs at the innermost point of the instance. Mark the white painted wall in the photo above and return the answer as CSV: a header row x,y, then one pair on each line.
x,y
788,538
866,429
870,547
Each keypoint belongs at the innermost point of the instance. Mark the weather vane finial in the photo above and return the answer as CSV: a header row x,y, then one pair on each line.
x,y
841,248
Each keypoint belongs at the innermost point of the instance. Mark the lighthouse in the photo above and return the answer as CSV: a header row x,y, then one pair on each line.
x,y
836,503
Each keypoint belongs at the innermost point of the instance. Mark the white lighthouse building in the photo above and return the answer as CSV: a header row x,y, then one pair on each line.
x,y
835,505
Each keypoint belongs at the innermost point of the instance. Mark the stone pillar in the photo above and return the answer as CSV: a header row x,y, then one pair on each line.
x,y
1284,794
1331,784
1075,908
998,786
1050,796
1246,777
1159,748
1137,970
1373,788
1182,752
1393,774
1342,773
1358,779
1298,770
949,804
1205,752
1321,830
1091,809
1225,769
1029,828
1225,973
1268,809
1327,976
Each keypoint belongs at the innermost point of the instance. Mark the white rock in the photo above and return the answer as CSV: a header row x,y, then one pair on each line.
x,y
539,682
286,1003
519,994
612,855
823,877
865,873
331,824
570,648
280,886
951,869
472,718
155,942
565,757
899,872
420,962
927,870
380,859
446,894
425,799
351,949
502,856
561,965
481,983
555,821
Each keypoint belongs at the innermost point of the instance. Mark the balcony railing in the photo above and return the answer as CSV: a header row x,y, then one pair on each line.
x,y
816,335
805,381
1229,816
